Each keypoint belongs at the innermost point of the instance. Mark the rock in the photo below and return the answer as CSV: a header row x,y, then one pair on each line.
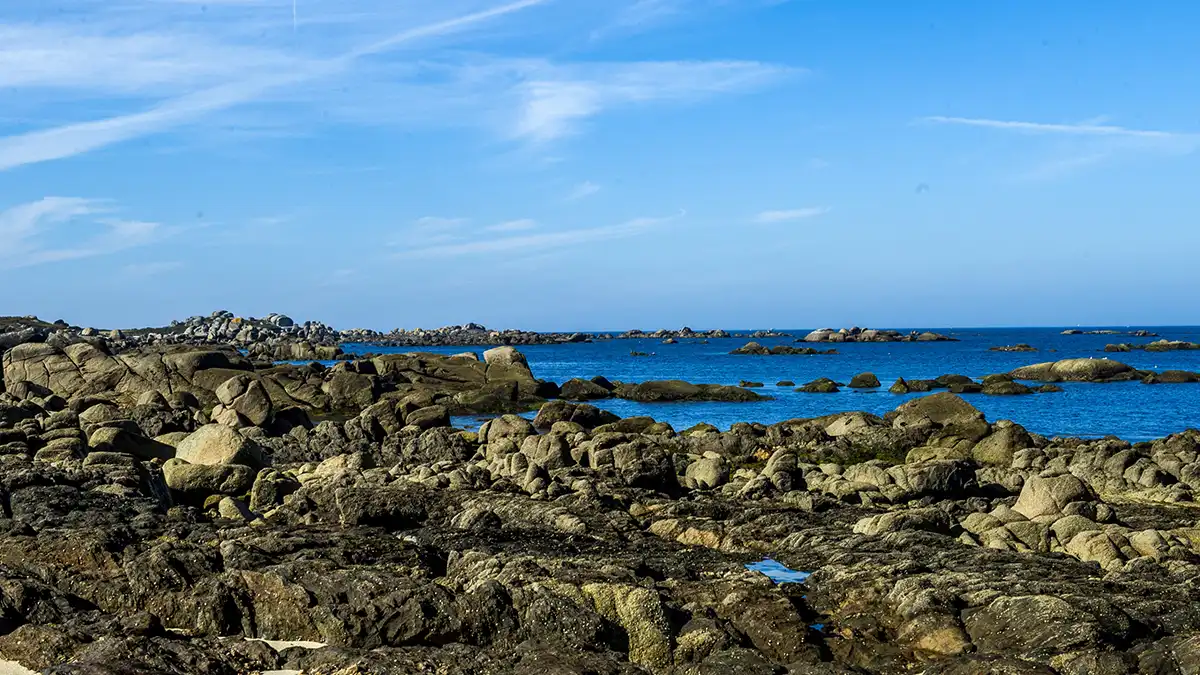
x,y
512,427
931,520
234,509
750,384
822,385
1077,370
707,473
1005,388
754,348
207,479
864,381
428,417
678,390
1014,348
587,416
900,386
116,439
998,447
583,390
1171,377
219,444
948,411
1046,496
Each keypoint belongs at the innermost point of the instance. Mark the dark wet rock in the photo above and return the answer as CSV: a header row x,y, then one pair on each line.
x,y
583,390
1005,388
864,381
754,348
428,417
785,383
750,384
1172,377
822,385
587,416
678,390
1014,348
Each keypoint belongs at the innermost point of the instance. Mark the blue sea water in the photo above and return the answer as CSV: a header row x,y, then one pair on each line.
x,y
777,572
1131,410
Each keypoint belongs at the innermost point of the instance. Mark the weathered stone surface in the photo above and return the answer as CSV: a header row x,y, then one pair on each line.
x,y
218,444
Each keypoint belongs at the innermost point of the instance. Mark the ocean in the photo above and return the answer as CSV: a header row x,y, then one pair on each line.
x,y
1130,410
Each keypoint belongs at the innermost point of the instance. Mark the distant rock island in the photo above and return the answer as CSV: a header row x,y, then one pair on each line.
x,y
874,335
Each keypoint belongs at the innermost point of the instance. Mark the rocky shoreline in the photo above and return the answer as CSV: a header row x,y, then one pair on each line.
x,y
164,502
280,338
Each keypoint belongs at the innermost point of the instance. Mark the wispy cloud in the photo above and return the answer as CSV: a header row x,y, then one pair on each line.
x,y
155,62
538,242
1044,128
585,189
555,101
1083,144
791,214
513,225
146,270
638,15
31,234
439,222
150,67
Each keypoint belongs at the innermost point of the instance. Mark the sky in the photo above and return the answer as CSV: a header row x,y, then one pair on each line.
x,y
600,164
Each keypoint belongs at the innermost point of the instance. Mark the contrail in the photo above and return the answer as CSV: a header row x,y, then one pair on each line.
x,y
293,16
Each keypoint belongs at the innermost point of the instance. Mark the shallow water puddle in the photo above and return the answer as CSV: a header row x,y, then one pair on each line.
x,y
775,571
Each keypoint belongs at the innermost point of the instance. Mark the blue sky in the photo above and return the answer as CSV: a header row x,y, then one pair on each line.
x,y
600,164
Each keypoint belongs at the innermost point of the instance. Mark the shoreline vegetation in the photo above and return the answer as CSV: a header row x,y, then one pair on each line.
x,y
181,502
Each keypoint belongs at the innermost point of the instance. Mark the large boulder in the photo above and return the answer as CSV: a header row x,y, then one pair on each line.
x,y
1077,370
945,410
864,381
219,444
201,480
119,439
998,447
248,398
577,389
1046,496
586,416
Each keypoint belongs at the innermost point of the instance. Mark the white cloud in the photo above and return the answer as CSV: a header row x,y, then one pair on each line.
x,y
1084,144
513,225
439,222
30,233
150,269
154,62
555,101
638,15
1042,128
141,68
584,189
791,214
536,242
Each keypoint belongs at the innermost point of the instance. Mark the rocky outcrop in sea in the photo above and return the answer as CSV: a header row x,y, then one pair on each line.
x,y
873,335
